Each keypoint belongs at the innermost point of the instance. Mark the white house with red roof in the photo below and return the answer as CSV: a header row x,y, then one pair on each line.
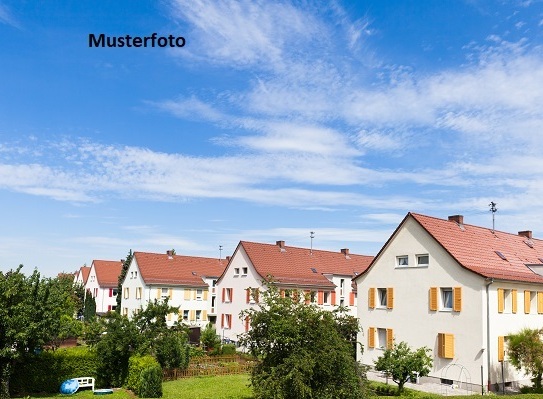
x,y
324,275
187,281
456,288
102,284
81,276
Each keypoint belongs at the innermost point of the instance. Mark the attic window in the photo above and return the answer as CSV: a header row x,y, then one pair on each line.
x,y
314,270
530,243
500,255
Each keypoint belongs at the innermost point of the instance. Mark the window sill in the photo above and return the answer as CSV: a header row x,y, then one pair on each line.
x,y
413,267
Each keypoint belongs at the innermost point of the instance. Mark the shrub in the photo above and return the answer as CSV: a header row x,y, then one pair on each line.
x,y
46,371
151,382
172,350
229,349
136,364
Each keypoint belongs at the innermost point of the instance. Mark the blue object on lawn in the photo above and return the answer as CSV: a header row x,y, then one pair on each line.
x,y
69,387
105,391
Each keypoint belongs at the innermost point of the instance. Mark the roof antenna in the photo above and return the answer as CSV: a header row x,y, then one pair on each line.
x,y
220,253
493,209
311,235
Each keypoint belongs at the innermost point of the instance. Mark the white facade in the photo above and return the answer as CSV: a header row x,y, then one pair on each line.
x,y
467,309
105,297
194,301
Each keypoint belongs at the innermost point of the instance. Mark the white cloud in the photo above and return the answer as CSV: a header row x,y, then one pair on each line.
x,y
7,17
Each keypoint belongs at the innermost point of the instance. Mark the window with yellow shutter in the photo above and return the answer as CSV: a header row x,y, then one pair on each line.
x,y
390,338
390,298
371,337
371,298
501,349
433,298
540,302
445,344
514,301
457,299
527,302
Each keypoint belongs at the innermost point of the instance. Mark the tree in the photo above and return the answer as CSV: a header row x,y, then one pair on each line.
x,y
122,275
402,363
89,309
31,309
302,349
525,351
209,339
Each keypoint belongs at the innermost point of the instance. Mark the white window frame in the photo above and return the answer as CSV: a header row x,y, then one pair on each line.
x,y
381,334
326,298
185,315
162,295
382,297
236,271
444,293
244,271
199,294
198,315
419,257
402,261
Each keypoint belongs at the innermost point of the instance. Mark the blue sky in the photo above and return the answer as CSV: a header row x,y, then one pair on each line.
x,y
274,120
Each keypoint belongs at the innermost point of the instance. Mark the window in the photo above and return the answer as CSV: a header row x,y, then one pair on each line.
x,y
342,302
199,294
131,274
198,315
385,298
126,293
164,293
125,311
313,296
446,299
185,315
226,320
326,298
227,294
382,338
423,260
507,300
115,291
138,292
341,286
213,299
244,270
445,344
402,261
450,299
135,274
236,271
382,295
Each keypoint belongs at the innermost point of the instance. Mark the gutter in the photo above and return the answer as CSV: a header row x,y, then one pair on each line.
x,y
489,281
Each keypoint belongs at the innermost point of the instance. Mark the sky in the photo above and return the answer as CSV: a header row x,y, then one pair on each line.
x,y
274,120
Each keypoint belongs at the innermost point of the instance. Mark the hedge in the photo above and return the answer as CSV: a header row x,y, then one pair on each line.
x,y
136,365
44,372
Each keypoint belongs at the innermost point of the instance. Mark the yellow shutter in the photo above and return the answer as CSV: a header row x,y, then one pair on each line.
x,y
390,338
371,337
187,294
205,295
526,302
433,298
192,315
390,298
500,349
170,293
371,298
514,301
540,302
501,300
446,345
204,315
158,292
457,299
170,316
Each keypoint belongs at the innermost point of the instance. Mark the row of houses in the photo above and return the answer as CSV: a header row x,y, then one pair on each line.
x,y
456,288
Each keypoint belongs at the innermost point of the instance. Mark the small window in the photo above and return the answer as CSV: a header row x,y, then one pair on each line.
x,y
446,298
423,260
135,274
214,283
185,315
402,261
313,297
199,294
382,338
115,291
164,293
382,294
244,270
198,315
236,271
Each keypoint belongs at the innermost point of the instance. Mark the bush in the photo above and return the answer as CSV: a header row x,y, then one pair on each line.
x,y
46,371
151,382
136,364
229,349
172,350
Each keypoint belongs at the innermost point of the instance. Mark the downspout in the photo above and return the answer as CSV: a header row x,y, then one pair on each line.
x,y
488,282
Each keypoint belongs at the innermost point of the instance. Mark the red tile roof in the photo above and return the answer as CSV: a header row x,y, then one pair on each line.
x,y
177,269
107,272
301,266
475,248
85,270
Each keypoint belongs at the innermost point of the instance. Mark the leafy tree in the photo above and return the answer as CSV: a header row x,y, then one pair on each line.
x,y
89,310
31,309
525,351
122,275
303,350
402,363
210,340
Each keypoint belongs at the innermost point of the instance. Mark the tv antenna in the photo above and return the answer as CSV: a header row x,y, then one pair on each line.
x,y
311,235
220,253
493,209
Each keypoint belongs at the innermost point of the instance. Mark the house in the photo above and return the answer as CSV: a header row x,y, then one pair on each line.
x,y
457,289
102,284
81,276
187,281
324,275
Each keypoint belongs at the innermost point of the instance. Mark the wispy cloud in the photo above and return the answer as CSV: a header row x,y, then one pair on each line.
x,y
7,17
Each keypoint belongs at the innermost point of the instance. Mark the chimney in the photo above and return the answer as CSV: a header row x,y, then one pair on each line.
x,y
457,218
525,233
170,253
345,251
280,244
122,261
228,259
